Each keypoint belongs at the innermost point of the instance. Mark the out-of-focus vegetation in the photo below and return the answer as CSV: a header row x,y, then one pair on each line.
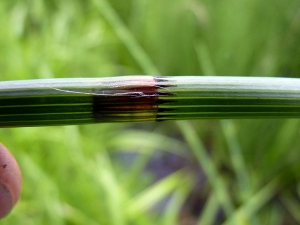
x,y
197,172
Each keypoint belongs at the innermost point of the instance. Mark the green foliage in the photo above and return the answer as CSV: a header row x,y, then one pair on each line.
x,y
72,175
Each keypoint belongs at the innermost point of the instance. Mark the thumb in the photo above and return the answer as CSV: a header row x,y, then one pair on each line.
x,y
10,181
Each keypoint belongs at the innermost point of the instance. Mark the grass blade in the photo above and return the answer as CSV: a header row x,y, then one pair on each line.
x,y
208,166
208,216
237,158
154,194
126,36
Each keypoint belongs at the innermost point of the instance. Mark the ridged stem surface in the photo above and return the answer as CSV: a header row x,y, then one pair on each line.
x,y
145,98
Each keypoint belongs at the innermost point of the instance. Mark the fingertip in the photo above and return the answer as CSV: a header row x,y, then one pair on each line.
x,y
10,181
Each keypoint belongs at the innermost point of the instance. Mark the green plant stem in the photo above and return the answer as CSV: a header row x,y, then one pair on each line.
x,y
145,98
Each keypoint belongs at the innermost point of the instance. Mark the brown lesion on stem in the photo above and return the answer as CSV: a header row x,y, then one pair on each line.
x,y
130,99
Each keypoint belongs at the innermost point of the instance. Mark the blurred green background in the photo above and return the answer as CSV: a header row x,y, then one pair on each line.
x,y
186,173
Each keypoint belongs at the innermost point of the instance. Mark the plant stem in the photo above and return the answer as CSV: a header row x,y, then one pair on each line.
x,y
145,98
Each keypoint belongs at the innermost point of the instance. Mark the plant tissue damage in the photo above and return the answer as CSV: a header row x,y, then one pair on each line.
x,y
137,99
